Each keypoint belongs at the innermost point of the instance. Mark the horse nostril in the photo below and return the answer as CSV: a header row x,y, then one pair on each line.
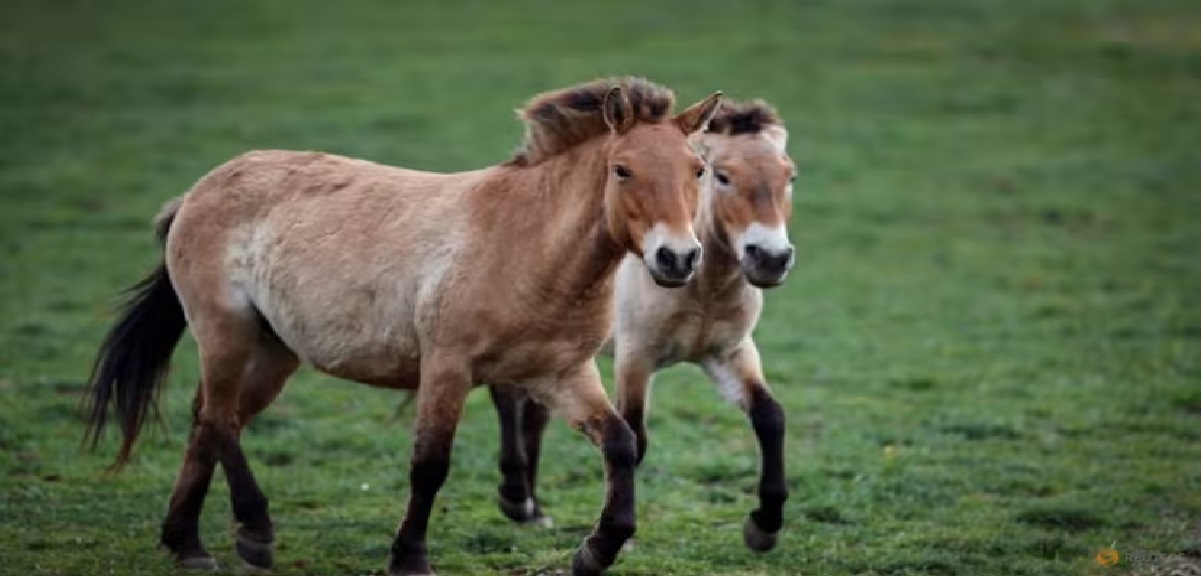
x,y
768,260
753,252
788,255
690,259
779,261
665,258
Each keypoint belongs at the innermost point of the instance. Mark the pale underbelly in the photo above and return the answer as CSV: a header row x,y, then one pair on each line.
x,y
384,371
368,352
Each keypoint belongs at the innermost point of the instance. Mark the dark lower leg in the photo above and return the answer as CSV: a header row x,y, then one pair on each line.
x,y
271,366
768,421
430,465
514,491
255,533
181,527
534,422
617,523
633,383
245,498
633,414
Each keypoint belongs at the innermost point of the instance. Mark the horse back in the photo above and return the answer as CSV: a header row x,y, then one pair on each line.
x,y
340,257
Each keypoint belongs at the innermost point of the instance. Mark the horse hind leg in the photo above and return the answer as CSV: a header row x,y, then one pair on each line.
x,y
265,375
535,417
181,528
521,421
513,495
241,371
226,344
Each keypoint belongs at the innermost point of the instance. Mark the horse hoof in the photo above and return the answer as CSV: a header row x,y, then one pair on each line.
x,y
412,572
585,564
248,569
256,555
524,512
412,565
205,563
756,538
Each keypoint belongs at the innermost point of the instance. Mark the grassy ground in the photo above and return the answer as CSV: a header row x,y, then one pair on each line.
x,y
988,352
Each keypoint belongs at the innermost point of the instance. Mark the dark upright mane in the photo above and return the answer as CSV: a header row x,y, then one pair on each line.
x,y
560,119
750,117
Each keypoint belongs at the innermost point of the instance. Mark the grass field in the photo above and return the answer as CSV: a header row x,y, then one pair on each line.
x,y
988,352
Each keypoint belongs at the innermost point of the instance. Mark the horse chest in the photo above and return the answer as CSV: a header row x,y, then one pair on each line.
x,y
693,336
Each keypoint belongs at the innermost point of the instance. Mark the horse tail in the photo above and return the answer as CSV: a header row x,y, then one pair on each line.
x,y
407,398
132,363
165,218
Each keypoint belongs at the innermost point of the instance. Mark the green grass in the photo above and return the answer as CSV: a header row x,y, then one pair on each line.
x,y
988,351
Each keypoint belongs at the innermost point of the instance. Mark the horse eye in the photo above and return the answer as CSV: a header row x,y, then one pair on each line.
x,y
700,172
793,178
622,172
722,179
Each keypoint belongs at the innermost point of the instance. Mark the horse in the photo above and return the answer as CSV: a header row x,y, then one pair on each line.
x,y
745,208
410,280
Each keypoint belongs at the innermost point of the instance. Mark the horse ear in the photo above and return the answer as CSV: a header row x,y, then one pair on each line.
x,y
615,109
696,117
697,141
777,135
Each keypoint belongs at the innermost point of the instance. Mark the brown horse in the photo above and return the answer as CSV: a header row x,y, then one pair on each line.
x,y
746,203
411,280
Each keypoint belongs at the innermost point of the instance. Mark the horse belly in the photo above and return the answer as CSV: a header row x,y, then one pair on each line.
x,y
347,331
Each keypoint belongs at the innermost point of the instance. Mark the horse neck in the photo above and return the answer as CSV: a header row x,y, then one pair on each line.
x,y
580,256
720,272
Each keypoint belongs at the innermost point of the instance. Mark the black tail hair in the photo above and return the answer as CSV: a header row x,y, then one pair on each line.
x,y
133,360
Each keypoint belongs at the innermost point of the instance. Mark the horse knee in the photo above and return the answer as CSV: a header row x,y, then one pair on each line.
x,y
622,530
620,445
767,417
634,419
428,474
431,463
212,438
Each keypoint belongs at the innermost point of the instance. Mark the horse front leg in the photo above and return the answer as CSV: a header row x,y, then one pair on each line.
x,y
580,399
440,399
633,375
739,376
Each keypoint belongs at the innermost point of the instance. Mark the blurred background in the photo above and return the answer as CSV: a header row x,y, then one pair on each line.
x,y
988,350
